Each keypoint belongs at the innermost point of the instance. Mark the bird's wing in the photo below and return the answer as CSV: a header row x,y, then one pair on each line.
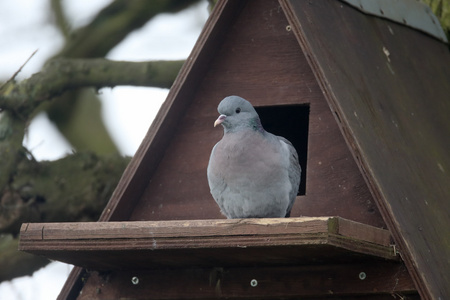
x,y
294,171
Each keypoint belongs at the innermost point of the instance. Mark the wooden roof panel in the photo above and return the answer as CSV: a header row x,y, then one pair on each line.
x,y
392,99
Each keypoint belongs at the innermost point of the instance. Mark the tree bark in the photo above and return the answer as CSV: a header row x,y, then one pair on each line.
x,y
62,75
74,188
107,29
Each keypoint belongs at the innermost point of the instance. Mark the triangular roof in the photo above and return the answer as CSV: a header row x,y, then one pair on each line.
x,y
388,96
390,87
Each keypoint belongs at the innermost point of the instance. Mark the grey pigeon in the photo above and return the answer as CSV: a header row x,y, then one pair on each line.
x,y
251,172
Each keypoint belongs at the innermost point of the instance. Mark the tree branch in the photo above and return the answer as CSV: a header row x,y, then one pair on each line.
x,y
11,150
109,27
61,75
114,23
75,188
60,17
15,263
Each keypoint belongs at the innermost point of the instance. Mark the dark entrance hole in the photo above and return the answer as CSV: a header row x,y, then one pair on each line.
x,y
290,122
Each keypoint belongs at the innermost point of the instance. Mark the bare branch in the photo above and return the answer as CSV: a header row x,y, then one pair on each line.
x,y
61,75
18,71
114,23
60,17
75,188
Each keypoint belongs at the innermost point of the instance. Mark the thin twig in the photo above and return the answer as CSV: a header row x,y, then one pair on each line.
x,y
20,69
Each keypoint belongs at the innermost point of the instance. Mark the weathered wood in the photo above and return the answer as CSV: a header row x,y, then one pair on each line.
x,y
363,232
381,279
259,59
389,87
157,244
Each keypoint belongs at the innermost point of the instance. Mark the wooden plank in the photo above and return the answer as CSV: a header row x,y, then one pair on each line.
x,y
322,281
389,87
150,244
260,60
176,229
364,232
335,186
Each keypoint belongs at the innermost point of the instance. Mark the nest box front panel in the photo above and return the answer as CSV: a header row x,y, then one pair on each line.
x,y
261,61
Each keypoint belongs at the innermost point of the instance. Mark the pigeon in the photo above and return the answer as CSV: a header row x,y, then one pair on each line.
x,y
251,172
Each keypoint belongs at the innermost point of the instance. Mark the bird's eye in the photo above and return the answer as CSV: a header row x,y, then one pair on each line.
x,y
238,110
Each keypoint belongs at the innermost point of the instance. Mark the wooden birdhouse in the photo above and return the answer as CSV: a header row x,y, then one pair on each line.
x,y
364,98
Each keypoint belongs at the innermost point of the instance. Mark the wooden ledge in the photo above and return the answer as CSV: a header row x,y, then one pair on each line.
x,y
199,243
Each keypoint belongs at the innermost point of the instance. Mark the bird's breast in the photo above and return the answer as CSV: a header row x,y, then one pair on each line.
x,y
246,155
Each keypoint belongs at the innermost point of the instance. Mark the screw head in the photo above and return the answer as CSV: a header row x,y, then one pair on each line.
x,y
135,280
254,283
362,275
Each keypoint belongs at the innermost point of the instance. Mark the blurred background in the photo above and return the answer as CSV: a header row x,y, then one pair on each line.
x,y
74,121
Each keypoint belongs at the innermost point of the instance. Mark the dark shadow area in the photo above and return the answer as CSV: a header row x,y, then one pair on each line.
x,y
290,122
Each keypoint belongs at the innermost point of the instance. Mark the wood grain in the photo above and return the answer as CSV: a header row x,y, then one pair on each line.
x,y
383,281
157,244
388,86
260,60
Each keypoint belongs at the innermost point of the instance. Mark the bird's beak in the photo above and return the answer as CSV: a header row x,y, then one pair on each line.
x,y
219,120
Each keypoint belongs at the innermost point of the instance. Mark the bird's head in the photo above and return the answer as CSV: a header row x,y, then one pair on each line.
x,y
237,113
